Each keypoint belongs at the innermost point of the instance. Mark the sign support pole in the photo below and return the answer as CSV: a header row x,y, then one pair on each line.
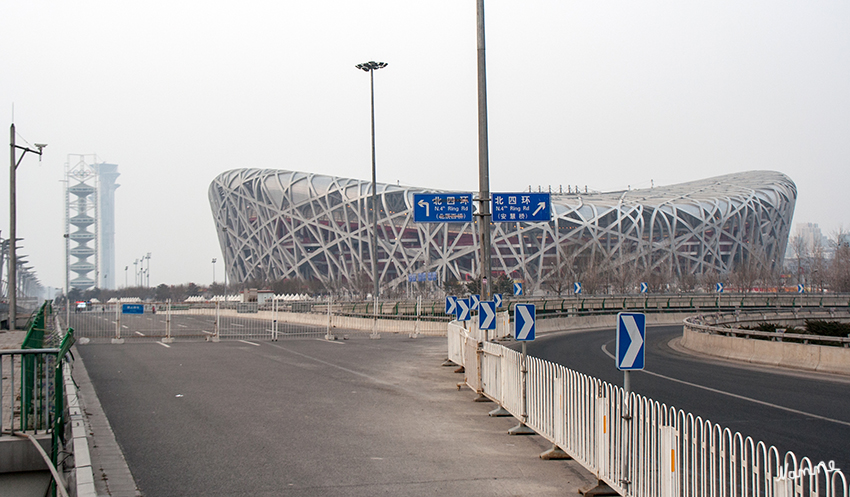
x,y
483,157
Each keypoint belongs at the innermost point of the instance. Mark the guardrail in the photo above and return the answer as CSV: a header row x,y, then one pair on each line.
x,y
636,445
608,304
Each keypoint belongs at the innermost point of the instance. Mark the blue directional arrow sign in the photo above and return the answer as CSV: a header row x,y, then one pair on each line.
x,y
473,302
526,207
718,288
497,298
576,287
132,308
487,315
517,289
442,207
524,326
800,289
462,309
451,305
631,334
644,288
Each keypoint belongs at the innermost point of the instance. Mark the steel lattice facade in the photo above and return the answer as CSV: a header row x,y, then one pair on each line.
x,y
275,224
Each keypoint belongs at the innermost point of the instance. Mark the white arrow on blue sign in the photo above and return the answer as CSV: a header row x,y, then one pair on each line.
x,y
718,288
497,298
631,335
442,208
517,289
515,207
451,304
524,326
644,288
487,315
800,289
576,287
473,302
462,309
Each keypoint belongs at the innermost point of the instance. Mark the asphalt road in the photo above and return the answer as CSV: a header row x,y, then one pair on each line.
x,y
309,418
807,413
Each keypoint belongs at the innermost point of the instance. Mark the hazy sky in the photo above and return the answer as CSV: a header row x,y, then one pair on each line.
x,y
599,93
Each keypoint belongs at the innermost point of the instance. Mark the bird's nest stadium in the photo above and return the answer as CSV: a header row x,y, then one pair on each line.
x,y
276,224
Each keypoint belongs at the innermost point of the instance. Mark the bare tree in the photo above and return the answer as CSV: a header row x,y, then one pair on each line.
x,y
801,253
839,267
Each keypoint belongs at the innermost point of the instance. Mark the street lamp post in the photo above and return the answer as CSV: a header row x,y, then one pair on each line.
x,y
213,265
13,247
371,67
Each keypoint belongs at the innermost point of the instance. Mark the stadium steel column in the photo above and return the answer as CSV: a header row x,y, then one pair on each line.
x,y
483,159
371,67
12,284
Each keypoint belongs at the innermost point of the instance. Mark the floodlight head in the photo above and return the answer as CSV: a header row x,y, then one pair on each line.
x,y
371,66
40,146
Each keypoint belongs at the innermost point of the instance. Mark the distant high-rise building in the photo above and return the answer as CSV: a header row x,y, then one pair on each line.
x,y
90,222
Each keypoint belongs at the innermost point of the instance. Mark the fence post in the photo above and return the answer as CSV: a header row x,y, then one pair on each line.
x,y
168,338
668,461
217,336
274,318
328,335
522,428
375,333
118,339
415,333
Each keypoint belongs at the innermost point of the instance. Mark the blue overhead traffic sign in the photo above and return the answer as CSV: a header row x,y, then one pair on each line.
x,y
473,302
487,315
516,207
451,305
462,309
524,317
442,207
497,298
631,335
517,289
132,308
644,288
576,287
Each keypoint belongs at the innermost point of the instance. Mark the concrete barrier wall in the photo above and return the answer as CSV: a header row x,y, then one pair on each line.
x,y
807,357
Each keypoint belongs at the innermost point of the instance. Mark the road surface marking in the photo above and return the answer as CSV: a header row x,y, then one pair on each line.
x,y
237,324
164,345
250,343
207,332
140,333
125,326
182,325
736,396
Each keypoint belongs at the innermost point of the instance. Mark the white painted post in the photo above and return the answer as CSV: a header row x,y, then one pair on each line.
x,y
217,337
168,338
328,335
117,339
375,333
669,462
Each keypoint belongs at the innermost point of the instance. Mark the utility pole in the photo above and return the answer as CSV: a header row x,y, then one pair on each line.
x,y
13,228
483,158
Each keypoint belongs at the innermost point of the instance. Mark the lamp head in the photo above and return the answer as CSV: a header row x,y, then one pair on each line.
x,y
371,66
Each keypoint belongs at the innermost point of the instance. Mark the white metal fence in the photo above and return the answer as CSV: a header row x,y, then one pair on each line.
x,y
214,321
638,446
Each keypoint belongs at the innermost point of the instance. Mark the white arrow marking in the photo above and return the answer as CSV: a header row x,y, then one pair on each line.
x,y
464,310
488,316
423,203
637,342
498,300
540,207
452,306
527,323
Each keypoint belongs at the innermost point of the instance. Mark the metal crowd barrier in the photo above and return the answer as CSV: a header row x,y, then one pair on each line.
x,y
638,446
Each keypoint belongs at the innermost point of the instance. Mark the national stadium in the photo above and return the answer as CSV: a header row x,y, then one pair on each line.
x,y
277,224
